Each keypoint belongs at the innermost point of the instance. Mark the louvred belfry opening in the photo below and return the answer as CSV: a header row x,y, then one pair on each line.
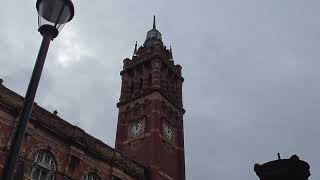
x,y
150,119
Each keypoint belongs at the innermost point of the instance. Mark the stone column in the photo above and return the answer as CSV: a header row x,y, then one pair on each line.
x,y
156,73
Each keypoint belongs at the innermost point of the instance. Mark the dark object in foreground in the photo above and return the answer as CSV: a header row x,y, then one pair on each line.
x,y
283,169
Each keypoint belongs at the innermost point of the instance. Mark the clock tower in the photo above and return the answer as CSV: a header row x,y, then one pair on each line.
x,y
150,119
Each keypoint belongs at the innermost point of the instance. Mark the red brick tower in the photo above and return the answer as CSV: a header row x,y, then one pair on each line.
x,y
150,120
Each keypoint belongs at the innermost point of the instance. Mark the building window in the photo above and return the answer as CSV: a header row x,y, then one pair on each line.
x,y
43,166
92,176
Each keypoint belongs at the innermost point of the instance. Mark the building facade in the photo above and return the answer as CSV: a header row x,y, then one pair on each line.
x,y
55,149
149,143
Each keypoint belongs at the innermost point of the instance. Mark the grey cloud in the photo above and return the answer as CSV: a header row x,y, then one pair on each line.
x,y
251,73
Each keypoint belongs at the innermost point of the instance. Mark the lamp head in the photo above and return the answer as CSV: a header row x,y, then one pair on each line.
x,y
53,15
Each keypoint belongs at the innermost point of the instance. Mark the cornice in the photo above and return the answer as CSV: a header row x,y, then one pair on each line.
x,y
176,105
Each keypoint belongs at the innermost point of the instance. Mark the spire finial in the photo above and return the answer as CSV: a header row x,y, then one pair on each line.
x,y
135,49
154,22
171,58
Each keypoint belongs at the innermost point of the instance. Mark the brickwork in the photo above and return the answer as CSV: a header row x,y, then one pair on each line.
x,y
76,153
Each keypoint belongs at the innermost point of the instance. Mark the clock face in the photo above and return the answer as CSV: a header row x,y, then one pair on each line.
x,y
168,132
136,129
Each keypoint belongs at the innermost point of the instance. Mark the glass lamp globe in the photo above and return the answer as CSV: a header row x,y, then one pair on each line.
x,y
53,15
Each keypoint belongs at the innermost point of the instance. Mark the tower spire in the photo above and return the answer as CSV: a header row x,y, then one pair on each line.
x,y
153,35
154,22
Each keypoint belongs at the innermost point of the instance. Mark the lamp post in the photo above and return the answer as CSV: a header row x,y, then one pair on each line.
x,y
52,16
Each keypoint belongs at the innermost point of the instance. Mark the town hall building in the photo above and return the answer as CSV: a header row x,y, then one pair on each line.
x,y
149,140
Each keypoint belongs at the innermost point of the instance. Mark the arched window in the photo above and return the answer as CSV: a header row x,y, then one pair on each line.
x,y
92,176
43,166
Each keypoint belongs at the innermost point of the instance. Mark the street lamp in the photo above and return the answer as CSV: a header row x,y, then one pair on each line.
x,y
52,16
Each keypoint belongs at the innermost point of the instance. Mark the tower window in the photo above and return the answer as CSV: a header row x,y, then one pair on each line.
x,y
149,79
131,88
141,84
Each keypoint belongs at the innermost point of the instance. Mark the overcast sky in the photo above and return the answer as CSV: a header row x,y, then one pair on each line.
x,y
251,69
